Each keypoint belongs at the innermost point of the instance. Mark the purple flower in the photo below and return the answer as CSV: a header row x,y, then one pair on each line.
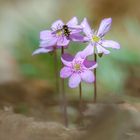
x,y
97,43
78,68
59,35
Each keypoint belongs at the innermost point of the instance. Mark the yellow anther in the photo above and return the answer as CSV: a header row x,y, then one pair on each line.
x,y
59,32
77,67
95,38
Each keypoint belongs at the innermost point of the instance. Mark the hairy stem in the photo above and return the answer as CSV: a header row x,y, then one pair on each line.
x,y
80,95
95,83
80,106
56,71
64,97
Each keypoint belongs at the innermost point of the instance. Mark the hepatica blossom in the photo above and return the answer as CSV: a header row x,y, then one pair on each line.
x,y
59,35
97,43
77,68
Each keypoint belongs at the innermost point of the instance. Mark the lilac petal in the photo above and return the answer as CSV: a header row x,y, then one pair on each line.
x,y
72,22
79,55
48,42
42,50
73,27
104,27
86,28
90,64
110,44
86,52
74,80
62,41
67,59
57,25
86,39
65,72
59,47
45,34
88,76
77,28
77,37
89,50
100,49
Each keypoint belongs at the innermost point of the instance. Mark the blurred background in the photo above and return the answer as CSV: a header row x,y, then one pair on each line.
x,y
27,83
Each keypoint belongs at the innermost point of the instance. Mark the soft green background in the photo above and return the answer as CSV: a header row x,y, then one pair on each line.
x,y
21,21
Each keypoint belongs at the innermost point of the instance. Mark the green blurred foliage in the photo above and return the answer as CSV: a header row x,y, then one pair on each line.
x,y
29,18
113,69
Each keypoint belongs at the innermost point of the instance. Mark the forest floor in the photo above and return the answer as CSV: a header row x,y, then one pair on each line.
x,y
27,115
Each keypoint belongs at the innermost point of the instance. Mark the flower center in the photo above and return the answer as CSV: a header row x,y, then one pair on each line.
x,y
59,32
77,67
96,38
